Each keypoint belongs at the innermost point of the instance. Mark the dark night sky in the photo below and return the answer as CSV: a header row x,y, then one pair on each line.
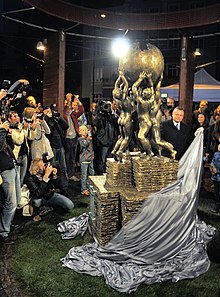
x,y
19,41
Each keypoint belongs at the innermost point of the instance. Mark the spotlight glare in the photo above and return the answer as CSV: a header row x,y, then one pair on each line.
x,y
120,47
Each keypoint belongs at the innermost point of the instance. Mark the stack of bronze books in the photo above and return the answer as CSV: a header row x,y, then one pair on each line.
x,y
151,175
119,174
131,203
104,210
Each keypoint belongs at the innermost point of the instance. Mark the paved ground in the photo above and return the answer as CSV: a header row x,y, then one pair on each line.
x,y
206,203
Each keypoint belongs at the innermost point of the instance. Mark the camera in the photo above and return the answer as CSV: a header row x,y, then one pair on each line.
x,y
4,115
164,107
28,120
104,107
55,113
47,163
15,95
15,91
40,115
5,86
163,104
44,157
13,125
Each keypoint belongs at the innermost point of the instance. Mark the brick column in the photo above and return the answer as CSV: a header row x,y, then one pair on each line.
x,y
54,70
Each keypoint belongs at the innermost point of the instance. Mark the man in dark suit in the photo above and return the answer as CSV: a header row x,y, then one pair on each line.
x,y
177,133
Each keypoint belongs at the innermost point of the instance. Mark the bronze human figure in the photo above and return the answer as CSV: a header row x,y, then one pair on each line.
x,y
145,98
148,66
125,119
156,140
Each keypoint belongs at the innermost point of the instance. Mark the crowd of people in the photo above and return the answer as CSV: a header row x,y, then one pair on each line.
x,y
42,149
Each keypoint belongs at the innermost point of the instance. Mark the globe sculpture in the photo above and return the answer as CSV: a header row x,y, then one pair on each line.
x,y
137,60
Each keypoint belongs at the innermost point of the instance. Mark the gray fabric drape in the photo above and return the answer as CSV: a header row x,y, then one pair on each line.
x,y
163,241
75,226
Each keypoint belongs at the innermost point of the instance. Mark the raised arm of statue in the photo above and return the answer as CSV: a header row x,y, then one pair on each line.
x,y
125,83
120,90
148,75
136,84
117,91
157,89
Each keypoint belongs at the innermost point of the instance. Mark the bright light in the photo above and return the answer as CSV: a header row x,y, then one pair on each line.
x,y
197,52
103,15
120,47
40,46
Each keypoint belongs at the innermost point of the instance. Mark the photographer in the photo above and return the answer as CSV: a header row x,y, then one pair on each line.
x,y
10,185
16,95
105,123
43,184
166,109
20,133
4,108
40,143
58,125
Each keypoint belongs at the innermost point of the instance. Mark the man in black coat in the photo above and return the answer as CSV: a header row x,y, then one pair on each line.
x,y
177,133
58,125
106,123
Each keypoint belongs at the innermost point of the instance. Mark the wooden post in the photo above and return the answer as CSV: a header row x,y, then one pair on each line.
x,y
187,69
54,71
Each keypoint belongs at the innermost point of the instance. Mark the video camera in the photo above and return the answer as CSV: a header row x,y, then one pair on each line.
x,y
163,103
164,107
55,113
103,107
14,90
14,94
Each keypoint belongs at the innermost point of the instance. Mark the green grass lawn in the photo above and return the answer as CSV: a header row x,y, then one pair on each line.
x,y
37,266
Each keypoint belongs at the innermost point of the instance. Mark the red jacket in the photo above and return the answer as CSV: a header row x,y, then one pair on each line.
x,y
74,116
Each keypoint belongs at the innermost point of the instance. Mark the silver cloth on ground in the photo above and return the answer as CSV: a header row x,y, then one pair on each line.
x,y
163,241
73,227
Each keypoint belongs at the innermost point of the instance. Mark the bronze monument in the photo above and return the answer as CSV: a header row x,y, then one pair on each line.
x,y
141,71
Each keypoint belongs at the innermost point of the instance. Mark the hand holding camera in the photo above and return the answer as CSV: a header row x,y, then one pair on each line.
x,y
48,170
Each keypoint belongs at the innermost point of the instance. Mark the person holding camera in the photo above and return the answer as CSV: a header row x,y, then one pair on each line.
x,y
58,125
40,143
10,184
105,122
43,184
166,109
20,134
